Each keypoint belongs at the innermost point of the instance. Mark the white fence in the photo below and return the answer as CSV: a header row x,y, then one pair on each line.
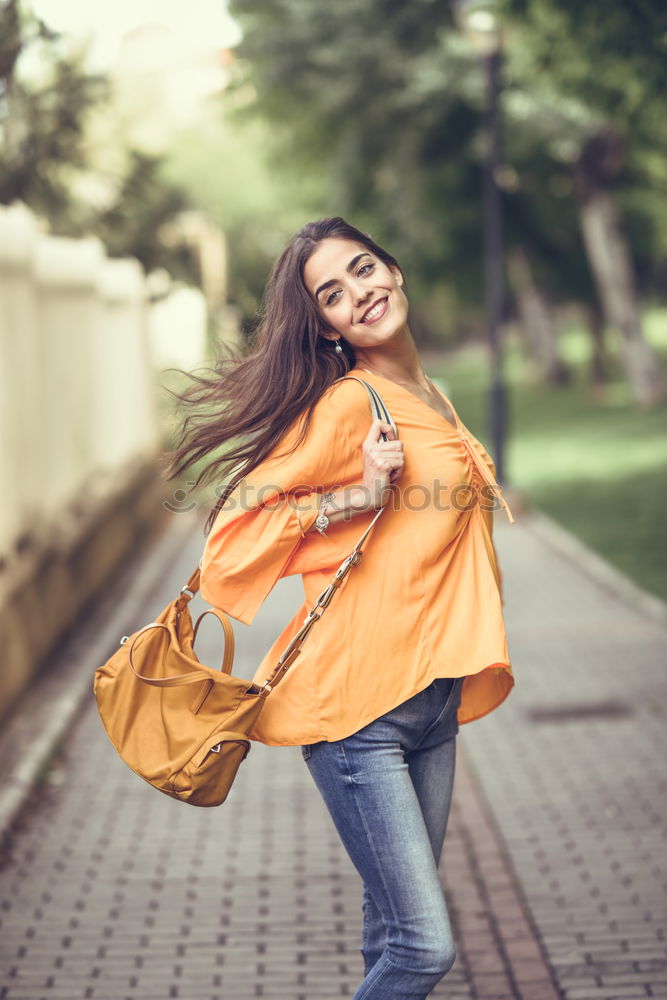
x,y
78,375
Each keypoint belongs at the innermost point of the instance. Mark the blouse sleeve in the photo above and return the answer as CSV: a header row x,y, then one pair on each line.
x,y
257,533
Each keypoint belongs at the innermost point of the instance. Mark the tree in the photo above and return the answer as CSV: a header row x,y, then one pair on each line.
x,y
135,224
45,158
369,94
43,115
601,110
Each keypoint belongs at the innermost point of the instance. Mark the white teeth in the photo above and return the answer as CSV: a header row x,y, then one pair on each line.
x,y
375,311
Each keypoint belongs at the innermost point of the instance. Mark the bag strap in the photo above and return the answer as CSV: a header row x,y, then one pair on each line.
x,y
291,652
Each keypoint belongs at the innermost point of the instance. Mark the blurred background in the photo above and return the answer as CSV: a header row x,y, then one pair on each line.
x,y
154,158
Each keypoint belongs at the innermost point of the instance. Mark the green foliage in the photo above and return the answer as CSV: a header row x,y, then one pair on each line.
x,y
136,223
43,115
10,40
46,99
576,70
611,61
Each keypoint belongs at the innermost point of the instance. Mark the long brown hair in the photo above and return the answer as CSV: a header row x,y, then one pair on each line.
x,y
248,403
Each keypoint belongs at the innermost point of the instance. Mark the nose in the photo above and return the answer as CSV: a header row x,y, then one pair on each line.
x,y
360,292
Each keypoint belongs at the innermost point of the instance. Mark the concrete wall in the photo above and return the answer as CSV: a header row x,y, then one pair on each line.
x,y
79,430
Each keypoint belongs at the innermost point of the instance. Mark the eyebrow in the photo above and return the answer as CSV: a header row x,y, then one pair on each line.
x,y
350,267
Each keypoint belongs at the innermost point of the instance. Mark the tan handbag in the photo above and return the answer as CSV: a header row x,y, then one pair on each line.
x,y
178,724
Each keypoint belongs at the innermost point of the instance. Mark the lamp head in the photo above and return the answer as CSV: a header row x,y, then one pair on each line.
x,y
478,20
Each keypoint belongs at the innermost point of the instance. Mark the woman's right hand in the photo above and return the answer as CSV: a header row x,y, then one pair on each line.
x,y
383,463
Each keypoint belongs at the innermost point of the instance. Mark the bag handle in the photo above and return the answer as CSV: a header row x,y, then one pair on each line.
x,y
174,680
293,649
228,659
192,676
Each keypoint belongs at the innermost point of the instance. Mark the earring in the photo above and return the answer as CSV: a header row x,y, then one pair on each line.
x,y
339,349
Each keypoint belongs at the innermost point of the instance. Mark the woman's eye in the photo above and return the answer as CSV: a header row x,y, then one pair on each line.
x,y
361,273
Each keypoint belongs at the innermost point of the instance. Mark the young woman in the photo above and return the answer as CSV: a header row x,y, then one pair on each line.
x,y
414,642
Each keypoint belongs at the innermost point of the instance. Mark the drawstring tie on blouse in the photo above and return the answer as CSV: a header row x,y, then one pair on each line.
x,y
481,466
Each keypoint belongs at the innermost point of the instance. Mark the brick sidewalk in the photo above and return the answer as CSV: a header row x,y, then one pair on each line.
x,y
551,864
573,770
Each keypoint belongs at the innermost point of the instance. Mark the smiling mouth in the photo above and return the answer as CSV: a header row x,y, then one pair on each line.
x,y
377,310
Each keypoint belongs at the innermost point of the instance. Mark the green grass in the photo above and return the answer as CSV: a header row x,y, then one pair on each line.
x,y
599,467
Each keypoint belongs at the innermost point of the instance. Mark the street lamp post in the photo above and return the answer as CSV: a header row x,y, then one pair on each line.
x,y
480,24
494,261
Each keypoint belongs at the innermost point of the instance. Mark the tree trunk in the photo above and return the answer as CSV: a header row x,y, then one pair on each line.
x,y
609,259
535,319
598,368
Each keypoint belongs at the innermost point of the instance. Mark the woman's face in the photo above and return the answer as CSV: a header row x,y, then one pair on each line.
x,y
357,294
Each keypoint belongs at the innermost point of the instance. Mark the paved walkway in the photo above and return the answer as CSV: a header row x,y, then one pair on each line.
x,y
553,866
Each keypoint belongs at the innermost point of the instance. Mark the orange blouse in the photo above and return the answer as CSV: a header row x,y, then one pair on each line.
x,y
425,600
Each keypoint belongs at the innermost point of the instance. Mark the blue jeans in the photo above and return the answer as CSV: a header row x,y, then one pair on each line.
x,y
388,789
